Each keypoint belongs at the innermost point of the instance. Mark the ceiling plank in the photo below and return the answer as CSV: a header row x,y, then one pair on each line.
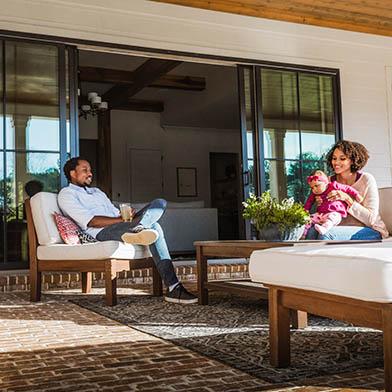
x,y
108,75
366,16
144,75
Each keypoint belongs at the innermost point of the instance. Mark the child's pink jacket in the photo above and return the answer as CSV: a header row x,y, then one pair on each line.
x,y
332,206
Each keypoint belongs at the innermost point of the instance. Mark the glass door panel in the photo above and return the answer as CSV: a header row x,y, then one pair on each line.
x,y
248,130
299,126
280,114
248,136
32,93
317,115
3,195
37,130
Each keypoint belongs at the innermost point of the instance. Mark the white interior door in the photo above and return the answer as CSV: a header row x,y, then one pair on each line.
x,y
146,180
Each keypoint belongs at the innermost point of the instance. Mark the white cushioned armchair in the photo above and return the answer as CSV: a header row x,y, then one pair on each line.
x,y
48,252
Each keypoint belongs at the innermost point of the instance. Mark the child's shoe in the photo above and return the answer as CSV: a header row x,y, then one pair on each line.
x,y
322,229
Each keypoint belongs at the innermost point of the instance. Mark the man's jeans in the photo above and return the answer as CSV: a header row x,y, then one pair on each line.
x,y
343,233
148,217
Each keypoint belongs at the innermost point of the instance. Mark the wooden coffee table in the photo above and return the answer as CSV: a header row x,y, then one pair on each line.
x,y
243,287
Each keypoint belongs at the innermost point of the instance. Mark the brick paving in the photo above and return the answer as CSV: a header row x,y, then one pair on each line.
x,y
56,345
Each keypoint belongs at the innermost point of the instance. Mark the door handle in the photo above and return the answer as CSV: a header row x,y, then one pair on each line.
x,y
246,177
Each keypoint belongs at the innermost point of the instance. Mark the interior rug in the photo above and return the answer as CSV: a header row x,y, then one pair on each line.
x,y
234,331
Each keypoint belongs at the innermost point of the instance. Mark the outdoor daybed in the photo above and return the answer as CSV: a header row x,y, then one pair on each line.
x,y
348,282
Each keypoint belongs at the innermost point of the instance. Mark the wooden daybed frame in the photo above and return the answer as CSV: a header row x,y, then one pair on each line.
x,y
362,313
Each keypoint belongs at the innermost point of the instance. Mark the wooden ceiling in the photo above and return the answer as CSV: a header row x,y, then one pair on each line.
x,y
366,16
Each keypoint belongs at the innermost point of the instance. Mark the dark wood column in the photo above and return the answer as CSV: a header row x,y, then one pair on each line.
x,y
104,158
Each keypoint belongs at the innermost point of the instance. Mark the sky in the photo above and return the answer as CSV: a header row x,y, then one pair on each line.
x,y
41,134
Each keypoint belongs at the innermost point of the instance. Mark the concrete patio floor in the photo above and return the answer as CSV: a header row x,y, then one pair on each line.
x,y
56,345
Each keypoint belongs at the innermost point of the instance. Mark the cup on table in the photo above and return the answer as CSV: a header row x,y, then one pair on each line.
x,y
126,212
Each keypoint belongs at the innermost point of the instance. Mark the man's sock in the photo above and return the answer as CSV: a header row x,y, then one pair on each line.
x,y
173,286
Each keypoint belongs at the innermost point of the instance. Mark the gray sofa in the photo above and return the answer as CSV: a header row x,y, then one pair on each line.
x,y
186,222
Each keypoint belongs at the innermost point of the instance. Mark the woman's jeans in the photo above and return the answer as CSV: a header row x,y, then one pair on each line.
x,y
343,233
148,217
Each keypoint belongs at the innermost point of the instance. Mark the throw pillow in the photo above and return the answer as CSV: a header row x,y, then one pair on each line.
x,y
68,229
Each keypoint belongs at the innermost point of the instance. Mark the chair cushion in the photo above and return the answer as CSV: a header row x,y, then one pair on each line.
x,y
96,251
361,271
43,206
68,229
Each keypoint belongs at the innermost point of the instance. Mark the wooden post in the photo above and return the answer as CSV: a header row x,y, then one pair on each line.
x,y
87,280
202,275
387,330
35,283
279,323
35,274
110,284
104,158
299,319
156,281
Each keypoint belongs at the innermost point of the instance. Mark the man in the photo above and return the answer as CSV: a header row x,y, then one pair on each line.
x,y
91,209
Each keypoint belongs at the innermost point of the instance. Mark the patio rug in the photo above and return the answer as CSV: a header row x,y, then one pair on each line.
x,y
234,331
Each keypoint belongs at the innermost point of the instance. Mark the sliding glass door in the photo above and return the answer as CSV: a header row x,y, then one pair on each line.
x,y
38,127
289,120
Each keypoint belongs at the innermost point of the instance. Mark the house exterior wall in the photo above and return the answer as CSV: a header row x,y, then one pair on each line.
x,y
362,59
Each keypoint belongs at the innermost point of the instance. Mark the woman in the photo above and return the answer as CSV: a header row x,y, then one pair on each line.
x,y
363,221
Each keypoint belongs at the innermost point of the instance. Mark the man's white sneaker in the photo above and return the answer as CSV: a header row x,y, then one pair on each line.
x,y
143,237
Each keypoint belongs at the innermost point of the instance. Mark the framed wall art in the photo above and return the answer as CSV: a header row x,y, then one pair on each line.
x,y
186,182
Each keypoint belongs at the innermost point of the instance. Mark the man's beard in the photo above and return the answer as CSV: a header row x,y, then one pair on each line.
x,y
88,185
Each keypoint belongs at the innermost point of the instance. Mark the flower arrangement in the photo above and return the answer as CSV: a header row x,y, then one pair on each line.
x,y
285,217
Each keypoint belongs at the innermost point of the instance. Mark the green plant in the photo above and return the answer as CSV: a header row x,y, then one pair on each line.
x,y
264,211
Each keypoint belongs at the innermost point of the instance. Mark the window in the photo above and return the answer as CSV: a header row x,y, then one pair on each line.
x,y
299,127
34,121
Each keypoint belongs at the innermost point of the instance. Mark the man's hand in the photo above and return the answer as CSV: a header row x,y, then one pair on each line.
x,y
340,195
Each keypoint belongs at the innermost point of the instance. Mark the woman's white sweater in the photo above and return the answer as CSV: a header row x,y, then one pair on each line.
x,y
367,212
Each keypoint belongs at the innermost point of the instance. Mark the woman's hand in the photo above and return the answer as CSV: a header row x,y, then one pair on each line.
x,y
340,195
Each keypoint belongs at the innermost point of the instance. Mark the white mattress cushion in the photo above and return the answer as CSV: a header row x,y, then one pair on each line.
x,y
43,205
361,271
93,251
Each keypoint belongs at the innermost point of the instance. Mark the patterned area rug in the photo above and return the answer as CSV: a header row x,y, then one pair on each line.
x,y
234,330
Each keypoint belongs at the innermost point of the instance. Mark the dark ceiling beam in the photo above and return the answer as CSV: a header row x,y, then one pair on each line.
x,y
144,75
142,105
107,75
138,105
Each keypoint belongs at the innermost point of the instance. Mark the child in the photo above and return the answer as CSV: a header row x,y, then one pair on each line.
x,y
329,213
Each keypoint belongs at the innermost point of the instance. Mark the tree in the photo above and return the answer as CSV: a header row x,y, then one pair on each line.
x,y
297,186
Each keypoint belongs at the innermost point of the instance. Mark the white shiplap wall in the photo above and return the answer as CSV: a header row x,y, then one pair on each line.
x,y
363,59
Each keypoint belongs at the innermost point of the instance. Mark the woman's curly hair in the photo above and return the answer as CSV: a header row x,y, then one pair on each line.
x,y
356,152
